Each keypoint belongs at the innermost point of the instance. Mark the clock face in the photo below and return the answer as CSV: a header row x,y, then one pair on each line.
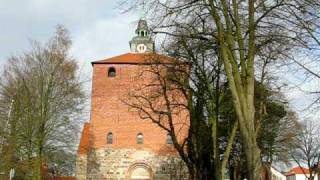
x,y
141,48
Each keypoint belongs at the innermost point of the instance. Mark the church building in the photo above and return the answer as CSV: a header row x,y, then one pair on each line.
x,y
117,143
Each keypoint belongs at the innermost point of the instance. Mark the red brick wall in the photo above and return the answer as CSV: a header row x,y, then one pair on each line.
x,y
110,114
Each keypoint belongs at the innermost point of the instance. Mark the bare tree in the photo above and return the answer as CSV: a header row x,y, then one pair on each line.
x,y
157,98
238,32
48,99
306,149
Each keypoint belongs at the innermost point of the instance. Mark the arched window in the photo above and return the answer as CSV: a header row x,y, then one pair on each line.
x,y
140,138
112,72
142,33
110,138
169,139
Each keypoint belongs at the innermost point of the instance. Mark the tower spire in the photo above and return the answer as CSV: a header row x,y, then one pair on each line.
x,y
142,42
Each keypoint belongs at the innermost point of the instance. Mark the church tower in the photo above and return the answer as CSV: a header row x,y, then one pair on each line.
x,y
142,42
117,143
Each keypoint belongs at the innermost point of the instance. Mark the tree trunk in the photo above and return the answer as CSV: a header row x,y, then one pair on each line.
x,y
37,169
38,163
253,162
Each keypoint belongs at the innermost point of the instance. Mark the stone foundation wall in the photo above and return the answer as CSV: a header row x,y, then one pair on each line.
x,y
81,167
110,163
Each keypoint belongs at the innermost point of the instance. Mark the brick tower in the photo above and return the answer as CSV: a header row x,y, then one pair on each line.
x,y
117,143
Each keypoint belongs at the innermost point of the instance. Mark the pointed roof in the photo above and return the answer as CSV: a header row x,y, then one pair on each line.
x,y
85,139
142,25
139,58
297,170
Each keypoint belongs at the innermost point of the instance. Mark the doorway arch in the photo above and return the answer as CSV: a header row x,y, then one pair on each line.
x,y
139,171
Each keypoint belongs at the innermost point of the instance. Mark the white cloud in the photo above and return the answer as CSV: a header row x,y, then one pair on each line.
x,y
103,38
299,87
36,19
97,28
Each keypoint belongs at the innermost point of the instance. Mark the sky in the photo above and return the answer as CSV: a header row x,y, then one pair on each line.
x,y
98,29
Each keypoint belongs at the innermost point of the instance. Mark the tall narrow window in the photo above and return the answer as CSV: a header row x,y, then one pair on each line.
x,y
169,139
110,138
112,72
140,138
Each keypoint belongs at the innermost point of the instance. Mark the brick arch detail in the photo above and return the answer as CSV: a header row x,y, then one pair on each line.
x,y
133,166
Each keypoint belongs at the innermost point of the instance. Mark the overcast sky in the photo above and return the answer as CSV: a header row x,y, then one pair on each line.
x,y
98,30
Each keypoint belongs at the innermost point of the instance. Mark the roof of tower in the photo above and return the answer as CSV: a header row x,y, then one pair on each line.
x,y
139,58
142,24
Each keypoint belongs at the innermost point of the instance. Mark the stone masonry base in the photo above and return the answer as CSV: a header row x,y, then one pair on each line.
x,y
126,164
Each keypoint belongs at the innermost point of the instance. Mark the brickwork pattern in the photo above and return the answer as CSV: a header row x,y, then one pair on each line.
x,y
109,113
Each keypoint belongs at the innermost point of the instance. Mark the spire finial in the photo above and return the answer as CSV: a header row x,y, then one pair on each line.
x,y
142,10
